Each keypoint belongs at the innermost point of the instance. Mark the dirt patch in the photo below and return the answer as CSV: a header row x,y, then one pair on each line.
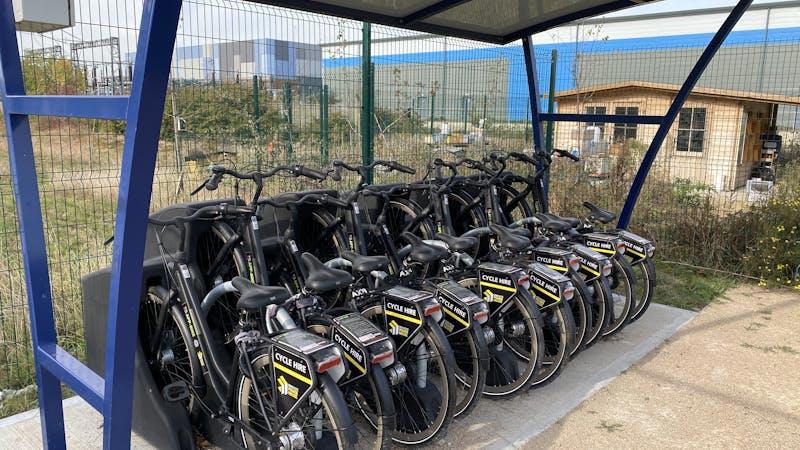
x,y
727,380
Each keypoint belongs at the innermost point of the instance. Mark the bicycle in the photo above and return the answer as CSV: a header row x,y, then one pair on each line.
x,y
367,351
277,390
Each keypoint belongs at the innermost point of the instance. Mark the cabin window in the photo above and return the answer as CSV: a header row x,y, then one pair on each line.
x,y
625,131
691,130
597,110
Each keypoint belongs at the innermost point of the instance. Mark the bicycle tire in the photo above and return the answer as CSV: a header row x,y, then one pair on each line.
x,y
331,399
647,270
442,353
623,300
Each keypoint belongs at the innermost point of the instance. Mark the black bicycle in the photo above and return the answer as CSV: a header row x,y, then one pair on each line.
x,y
234,248
275,390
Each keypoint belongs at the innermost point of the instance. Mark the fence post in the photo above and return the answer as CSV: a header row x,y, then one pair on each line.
x,y
367,92
323,122
433,112
287,116
551,100
257,121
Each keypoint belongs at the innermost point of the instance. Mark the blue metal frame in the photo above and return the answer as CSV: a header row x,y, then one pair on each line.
x,y
675,109
143,109
665,122
536,113
415,20
113,394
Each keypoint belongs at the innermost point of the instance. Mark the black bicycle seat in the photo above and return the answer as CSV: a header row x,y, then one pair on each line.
x,y
322,278
509,239
458,244
254,297
600,214
365,263
552,224
574,222
422,252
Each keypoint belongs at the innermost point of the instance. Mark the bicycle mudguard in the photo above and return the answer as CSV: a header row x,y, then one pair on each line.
x,y
636,247
294,360
548,286
404,312
591,262
360,341
554,258
499,283
604,243
459,304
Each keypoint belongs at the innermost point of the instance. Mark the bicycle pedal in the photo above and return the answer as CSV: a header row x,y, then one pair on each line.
x,y
176,392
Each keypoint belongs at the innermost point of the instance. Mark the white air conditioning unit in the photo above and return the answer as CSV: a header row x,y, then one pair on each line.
x,y
758,190
40,16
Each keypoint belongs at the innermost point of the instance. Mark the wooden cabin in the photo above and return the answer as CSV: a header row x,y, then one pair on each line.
x,y
716,140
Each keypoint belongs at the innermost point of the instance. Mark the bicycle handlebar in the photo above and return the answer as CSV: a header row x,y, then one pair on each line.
x,y
317,199
204,213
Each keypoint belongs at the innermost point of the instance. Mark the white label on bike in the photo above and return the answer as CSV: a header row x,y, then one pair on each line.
x,y
185,272
293,246
254,221
446,200
355,208
386,229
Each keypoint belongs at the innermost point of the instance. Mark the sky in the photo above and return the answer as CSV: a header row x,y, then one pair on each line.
x,y
682,5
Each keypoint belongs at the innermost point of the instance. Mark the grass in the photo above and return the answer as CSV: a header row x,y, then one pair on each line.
x,y
687,287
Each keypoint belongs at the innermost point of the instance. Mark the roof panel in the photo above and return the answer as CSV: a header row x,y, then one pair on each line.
x,y
496,21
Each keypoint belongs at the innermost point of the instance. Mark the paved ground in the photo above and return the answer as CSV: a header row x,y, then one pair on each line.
x,y
494,424
729,379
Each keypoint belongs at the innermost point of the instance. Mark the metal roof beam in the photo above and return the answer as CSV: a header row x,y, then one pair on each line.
x,y
431,10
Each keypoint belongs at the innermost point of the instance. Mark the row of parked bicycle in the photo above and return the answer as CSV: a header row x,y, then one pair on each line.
x,y
378,313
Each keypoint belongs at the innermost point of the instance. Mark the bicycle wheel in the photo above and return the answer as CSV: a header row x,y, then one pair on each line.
x,y
464,217
403,215
581,308
645,273
516,327
621,296
370,396
425,401
514,210
174,359
471,356
601,312
558,331
223,318
323,421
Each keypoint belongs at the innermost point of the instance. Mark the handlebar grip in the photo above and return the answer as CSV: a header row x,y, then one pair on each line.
x,y
522,157
310,173
336,173
402,168
213,182
566,154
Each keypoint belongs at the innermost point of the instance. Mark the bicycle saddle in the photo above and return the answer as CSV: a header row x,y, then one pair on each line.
x,y
602,215
254,297
365,263
458,244
422,252
574,222
509,239
322,278
552,224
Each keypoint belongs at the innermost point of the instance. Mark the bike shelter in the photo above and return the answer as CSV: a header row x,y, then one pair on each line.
x,y
113,373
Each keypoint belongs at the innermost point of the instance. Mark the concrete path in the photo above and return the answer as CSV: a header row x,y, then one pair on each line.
x,y
730,379
494,423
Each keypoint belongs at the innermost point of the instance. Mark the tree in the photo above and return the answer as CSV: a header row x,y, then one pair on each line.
x,y
52,76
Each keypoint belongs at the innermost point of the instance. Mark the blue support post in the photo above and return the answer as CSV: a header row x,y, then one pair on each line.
x,y
29,212
536,113
145,109
675,109
112,395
